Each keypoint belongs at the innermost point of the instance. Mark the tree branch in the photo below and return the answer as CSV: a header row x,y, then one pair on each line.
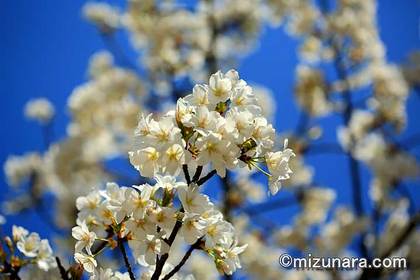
x,y
197,173
61,268
162,260
196,245
186,173
206,178
126,261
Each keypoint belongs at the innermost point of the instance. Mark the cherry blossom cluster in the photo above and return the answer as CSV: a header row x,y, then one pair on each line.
x,y
25,249
146,217
219,124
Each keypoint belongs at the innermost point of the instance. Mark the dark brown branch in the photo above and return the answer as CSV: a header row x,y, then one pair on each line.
x,y
197,173
126,261
61,269
162,260
196,245
206,178
186,173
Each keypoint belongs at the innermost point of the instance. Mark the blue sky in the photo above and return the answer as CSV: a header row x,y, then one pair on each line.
x,y
44,50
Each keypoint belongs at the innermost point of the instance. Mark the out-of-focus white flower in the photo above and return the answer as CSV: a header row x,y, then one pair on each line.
x,y
40,109
99,63
19,233
316,203
265,101
311,92
21,168
103,15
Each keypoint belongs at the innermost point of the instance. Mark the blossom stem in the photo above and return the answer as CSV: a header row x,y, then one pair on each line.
x,y
206,178
126,261
196,245
101,250
260,169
